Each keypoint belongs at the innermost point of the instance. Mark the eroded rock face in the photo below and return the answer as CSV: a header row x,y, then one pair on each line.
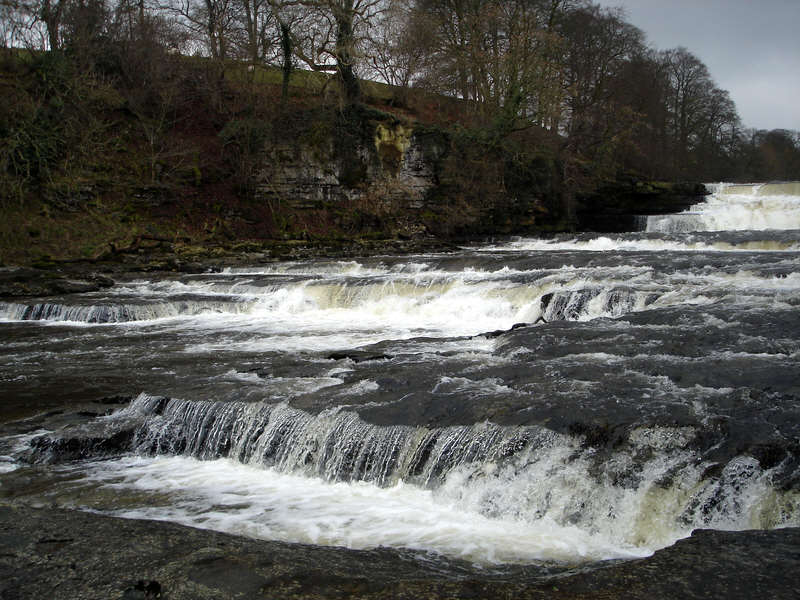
x,y
393,164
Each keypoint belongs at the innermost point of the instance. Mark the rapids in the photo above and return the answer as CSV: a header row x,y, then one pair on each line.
x,y
561,400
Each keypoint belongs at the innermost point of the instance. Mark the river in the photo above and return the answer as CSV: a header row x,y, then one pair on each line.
x,y
529,401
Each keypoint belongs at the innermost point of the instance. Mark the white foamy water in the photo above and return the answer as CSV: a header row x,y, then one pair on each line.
x,y
235,498
245,357
550,509
755,207
482,492
318,315
619,244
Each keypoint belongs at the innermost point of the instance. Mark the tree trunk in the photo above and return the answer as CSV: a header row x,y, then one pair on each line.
x,y
286,68
251,25
51,16
345,56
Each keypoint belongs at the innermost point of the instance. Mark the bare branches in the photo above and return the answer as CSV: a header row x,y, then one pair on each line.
x,y
337,33
569,66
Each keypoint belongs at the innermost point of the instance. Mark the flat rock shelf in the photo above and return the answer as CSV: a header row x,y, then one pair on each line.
x,y
60,554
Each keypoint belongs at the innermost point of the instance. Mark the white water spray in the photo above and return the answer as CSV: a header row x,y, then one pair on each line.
x,y
753,207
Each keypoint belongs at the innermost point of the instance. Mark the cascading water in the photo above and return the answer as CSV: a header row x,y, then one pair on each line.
x,y
505,471
737,207
116,313
571,399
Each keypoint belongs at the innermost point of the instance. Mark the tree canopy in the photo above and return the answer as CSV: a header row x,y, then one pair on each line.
x,y
570,67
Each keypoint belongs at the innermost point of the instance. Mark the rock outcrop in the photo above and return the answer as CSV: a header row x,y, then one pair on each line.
x,y
616,206
18,282
422,179
357,160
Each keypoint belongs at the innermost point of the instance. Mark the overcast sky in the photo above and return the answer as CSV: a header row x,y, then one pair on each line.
x,y
751,49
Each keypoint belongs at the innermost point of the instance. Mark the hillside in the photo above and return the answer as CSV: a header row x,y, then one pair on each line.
x,y
177,160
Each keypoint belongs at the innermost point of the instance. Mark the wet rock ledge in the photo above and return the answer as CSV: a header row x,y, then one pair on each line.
x,y
21,281
53,553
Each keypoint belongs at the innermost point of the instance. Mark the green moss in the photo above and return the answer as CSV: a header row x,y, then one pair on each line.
x,y
190,251
391,144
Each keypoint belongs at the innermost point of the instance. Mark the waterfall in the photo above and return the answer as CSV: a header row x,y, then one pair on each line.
x,y
437,302
737,207
395,401
649,492
116,313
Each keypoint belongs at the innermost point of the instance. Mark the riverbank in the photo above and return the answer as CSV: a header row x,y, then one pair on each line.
x,y
250,175
53,553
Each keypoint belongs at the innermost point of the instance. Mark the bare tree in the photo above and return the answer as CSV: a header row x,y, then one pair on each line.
x,y
398,45
690,85
21,25
599,45
333,38
255,30
209,21
52,12
503,56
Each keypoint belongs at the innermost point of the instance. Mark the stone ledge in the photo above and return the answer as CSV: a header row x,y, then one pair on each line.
x,y
60,554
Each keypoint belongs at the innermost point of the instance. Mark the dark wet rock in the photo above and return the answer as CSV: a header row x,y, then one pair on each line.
x,y
710,564
423,407
190,267
358,356
86,432
116,400
143,590
21,282
614,206
75,445
499,332
60,554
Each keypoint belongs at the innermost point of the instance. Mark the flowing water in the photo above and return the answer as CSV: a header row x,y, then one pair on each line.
x,y
654,388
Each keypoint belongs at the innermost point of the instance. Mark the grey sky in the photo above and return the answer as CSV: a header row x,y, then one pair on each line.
x,y
751,48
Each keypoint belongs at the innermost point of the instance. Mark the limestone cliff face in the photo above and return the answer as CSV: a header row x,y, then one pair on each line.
x,y
425,179
408,161
383,162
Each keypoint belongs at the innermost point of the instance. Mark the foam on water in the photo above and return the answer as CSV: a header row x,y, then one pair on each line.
x,y
519,493
317,316
259,341
283,387
235,498
754,207
309,322
611,244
